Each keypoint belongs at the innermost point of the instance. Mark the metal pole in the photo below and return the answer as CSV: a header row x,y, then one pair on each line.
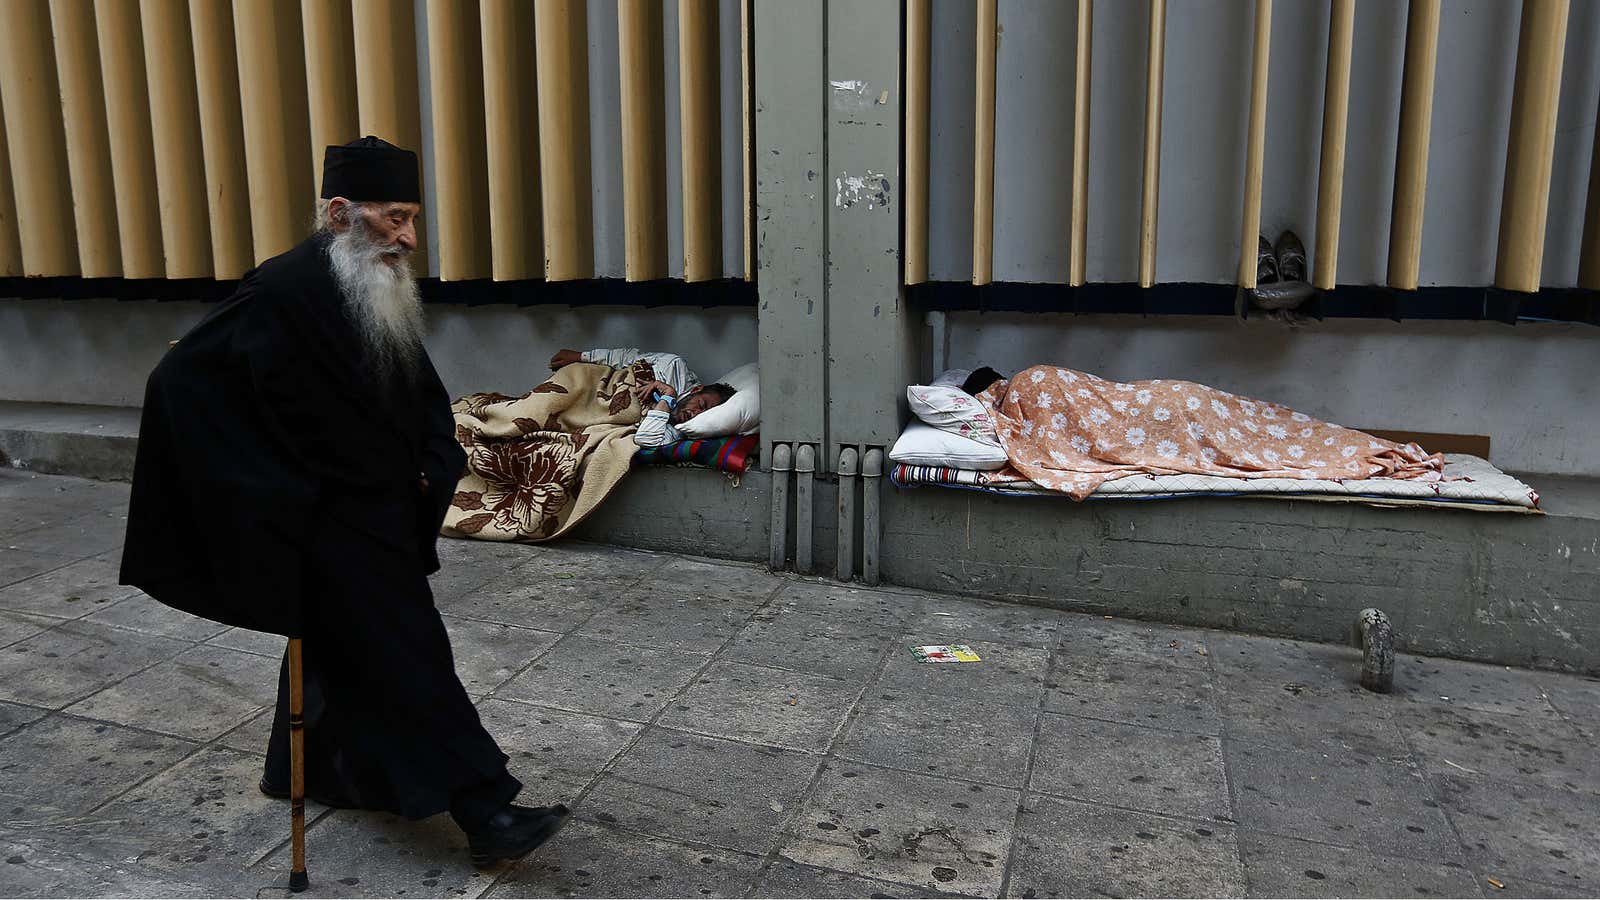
x,y
1335,119
1156,53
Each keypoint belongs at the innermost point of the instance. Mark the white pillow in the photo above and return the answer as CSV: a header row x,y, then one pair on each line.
x,y
952,378
740,415
952,409
924,445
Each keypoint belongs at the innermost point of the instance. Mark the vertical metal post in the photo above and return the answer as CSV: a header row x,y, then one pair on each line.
x,y
175,124
1531,151
871,521
1151,197
510,111
782,481
36,140
919,36
644,142
805,478
561,30
1077,271
988,38
83,109
1255,148
455,75
227,191
1411,157
133,154
848,476
1335,118
699,105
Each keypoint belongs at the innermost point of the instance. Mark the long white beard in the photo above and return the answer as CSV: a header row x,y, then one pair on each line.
x,y
381,300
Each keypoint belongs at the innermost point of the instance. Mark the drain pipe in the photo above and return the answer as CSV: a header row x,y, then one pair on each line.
x,y
805,476
847,513
782,476
871,527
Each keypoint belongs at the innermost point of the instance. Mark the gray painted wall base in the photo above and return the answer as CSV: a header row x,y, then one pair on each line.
x,y
1499,588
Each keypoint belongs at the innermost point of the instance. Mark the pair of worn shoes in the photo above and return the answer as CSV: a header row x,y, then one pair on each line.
x,y
1283,261
1280,278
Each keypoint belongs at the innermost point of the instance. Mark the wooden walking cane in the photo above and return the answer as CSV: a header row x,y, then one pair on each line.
x,y
297,770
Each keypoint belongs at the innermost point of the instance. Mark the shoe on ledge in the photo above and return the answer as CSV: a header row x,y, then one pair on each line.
x,y
515,831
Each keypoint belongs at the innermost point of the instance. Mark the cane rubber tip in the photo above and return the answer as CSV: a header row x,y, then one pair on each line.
x,y
298,881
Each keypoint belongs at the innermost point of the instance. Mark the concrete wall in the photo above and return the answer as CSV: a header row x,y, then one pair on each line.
x,y
1206,97
100,352
1528,387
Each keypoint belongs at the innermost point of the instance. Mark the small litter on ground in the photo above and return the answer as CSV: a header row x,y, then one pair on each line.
x,y
945,653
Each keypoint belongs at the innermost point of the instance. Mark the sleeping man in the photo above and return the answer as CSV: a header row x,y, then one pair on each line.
x,y
673,398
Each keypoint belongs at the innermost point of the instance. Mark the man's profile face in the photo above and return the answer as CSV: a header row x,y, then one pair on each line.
x,y
391,226
693,404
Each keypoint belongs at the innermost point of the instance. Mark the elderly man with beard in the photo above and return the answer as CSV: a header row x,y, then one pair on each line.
x,y
296,457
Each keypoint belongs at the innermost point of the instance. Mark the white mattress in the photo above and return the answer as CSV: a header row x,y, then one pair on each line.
x,y
1470,482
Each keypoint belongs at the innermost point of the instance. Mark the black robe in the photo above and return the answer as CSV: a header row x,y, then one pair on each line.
x,y
277,488
263,418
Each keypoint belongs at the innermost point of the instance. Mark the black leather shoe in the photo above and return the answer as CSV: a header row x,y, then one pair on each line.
x,y
1266,262
515,831
336,800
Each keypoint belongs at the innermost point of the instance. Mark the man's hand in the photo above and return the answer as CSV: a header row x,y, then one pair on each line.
x,y
565,358
645,391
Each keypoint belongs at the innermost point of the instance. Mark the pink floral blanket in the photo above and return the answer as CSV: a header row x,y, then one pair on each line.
x,y
1072,431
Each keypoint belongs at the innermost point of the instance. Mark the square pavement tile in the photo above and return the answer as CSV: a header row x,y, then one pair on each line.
x,y
63,864
198,695
1503,748
1087,637
14,716
544,604
1348,801
1475,686
587,675
62,767
1069,849
1259,661
587,860
700,577
1286,867
83,534
587,563
252,736
1322,716
350,853
1149,769
706,790
669,617
949,620
247,641
15,626
143,614
912,829
76,659
954,737
67,592
1135,693
1007,673
554,753
860,607
1526,833
20,565
1577,700
204,819
802,642
791,879
761,705
488,654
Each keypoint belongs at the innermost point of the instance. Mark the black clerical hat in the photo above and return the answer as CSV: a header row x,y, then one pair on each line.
x,y
373,169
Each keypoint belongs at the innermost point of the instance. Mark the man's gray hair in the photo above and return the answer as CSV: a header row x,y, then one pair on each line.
x,y
325,220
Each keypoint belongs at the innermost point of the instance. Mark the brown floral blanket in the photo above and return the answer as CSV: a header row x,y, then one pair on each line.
x,y
1071,432
538,464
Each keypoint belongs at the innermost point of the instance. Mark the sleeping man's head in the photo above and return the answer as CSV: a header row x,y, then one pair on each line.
x,y
698,400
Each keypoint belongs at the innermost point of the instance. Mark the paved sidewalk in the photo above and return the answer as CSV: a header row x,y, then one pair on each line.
x,y
721,731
